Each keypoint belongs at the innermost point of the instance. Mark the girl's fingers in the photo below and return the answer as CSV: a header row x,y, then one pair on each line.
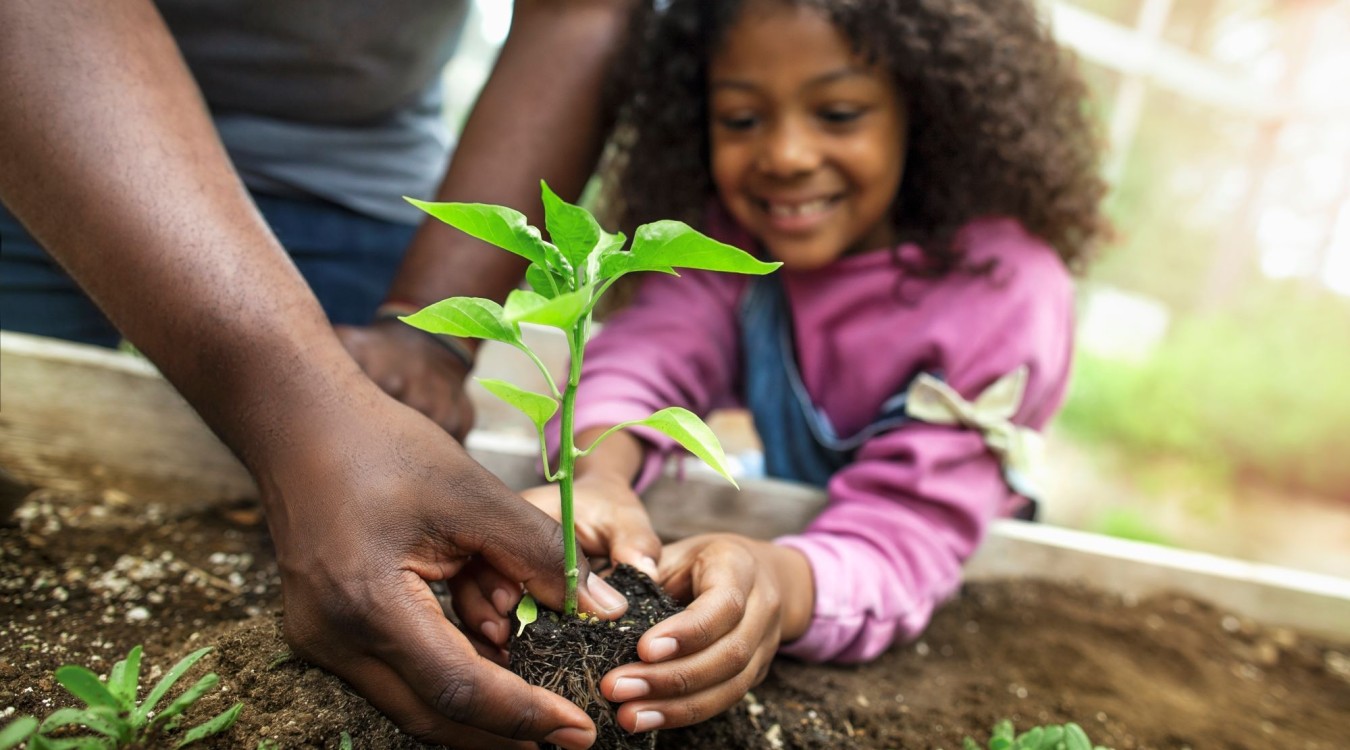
x,y
721,578
632,539
639,715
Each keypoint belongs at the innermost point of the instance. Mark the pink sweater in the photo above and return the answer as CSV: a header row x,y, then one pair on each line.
x,y
916,502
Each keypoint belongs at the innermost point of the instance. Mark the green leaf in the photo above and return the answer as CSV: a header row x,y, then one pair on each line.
x,y
38,742
572,228
1054,735
217,724
969,744
689,431
470,317
187,698
1004,730
1031,739
124,677
544,283
17,731
345,742
666,245
538,407
1075,738
1000,743
104,720
562,311
85,685
527,612
501,226
165,683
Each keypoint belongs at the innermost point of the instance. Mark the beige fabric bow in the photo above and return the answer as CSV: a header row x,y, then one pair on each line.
x,y
1019,449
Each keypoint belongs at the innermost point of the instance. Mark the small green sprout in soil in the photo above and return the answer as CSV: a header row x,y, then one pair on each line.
x,y
111,711
1050,737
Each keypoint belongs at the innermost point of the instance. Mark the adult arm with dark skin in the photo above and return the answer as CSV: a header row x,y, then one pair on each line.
x,y
540,116
110,160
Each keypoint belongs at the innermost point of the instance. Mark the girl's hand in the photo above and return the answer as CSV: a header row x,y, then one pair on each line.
x,y
748,596
610,518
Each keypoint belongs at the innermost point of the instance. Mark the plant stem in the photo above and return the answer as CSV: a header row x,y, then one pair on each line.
x,y
567,458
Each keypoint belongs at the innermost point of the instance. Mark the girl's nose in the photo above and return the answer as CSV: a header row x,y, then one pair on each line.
x,y
788,150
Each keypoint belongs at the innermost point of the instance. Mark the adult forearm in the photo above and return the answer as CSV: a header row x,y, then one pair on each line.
x,y
112,163
539,117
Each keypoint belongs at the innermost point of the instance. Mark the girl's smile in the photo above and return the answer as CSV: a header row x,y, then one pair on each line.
x,y
807,137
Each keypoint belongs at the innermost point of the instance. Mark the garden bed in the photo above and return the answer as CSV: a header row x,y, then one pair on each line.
x,y
141,532
86,576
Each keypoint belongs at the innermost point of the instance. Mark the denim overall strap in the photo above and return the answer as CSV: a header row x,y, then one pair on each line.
x,y
799,441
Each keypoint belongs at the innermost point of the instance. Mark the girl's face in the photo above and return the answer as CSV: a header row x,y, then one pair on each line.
x,y
808,140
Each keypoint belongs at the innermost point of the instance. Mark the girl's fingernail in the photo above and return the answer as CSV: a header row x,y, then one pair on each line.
x,y
493,631
628,688
605,596
502,600
648,720
661,649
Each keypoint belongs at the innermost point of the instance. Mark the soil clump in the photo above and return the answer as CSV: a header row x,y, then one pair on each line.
x,y
570,655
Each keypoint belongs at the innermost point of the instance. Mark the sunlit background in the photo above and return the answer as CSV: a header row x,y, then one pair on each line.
x,y
1211,399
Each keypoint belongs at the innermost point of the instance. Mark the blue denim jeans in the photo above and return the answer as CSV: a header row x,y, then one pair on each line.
x,y
347,258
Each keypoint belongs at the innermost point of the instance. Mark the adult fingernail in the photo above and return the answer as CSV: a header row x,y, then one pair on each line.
x,y
661,649
493,630
628,688
605,596
646,565
503,600
571,738
648,720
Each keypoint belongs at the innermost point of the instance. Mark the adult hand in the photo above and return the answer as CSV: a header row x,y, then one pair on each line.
x,y
610,522
747,597
368,502
408,365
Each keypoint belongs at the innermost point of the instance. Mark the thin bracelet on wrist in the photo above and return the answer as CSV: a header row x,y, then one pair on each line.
x,y
457,349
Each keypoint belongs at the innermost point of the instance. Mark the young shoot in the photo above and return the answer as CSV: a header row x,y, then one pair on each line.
x,y
567,275
1050,737
112,713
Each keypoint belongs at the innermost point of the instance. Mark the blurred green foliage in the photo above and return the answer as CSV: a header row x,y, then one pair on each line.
x,y
1258,393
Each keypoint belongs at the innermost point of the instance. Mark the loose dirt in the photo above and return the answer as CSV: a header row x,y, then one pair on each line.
x,y
84,577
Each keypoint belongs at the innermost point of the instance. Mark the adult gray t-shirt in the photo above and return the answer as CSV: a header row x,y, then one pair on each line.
x,y
336,99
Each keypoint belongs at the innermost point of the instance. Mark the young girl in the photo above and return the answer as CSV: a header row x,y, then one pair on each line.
x,y
926,174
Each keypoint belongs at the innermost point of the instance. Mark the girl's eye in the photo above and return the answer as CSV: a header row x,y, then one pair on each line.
x,y
840,115
738,122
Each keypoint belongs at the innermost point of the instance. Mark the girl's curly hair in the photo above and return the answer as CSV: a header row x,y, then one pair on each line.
x,y
996,117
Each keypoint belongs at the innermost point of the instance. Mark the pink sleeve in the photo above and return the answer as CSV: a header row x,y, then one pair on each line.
x,y
918,500
675,345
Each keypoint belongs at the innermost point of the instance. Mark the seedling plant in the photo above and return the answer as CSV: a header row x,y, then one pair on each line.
x,y
111,710
1050,737
567,276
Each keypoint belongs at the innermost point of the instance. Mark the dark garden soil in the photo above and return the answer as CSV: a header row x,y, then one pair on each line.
x,y
84,578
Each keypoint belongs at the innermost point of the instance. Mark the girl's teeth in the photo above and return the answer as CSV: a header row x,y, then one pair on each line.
x,y
798,209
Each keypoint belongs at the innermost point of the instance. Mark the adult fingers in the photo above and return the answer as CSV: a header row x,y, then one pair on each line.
x,y
473,592
438,665
522,543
